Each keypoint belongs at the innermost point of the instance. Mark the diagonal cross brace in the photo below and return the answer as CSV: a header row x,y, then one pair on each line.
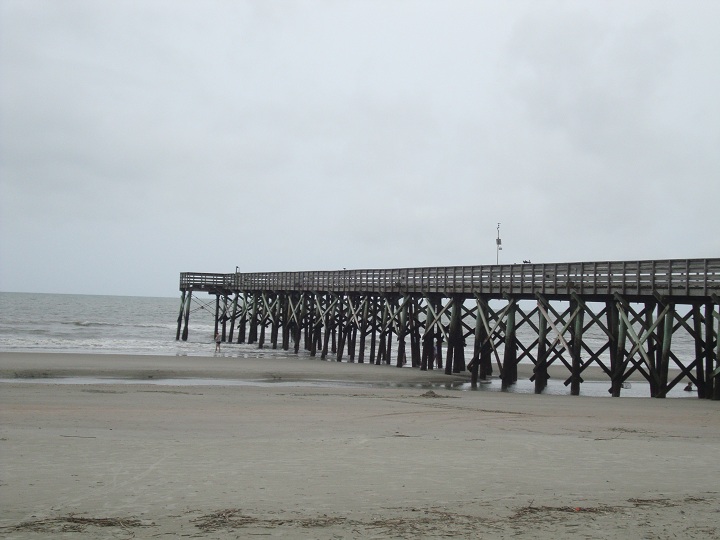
x,y
436,316
354,312
491,333
638,341
559,333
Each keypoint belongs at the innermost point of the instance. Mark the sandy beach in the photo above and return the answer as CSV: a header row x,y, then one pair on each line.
x,y
313,449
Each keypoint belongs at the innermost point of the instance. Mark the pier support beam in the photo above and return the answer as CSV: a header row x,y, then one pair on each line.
x,y
577,332
242,320
402,331
233,316
414,329
509,371
252,333
474,364
275,320
188,301
180,315
454,336
667,332
217,313
541,371
712,368
617,348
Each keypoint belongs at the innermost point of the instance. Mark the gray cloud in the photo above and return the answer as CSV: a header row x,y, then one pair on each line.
x,y
141,139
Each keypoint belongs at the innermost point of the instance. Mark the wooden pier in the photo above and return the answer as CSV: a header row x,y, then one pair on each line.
x,y
624,317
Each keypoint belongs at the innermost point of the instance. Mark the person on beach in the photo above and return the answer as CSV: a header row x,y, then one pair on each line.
x,y
218,339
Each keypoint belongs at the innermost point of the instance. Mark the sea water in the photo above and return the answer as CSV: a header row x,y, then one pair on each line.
x,y
61,323
69,323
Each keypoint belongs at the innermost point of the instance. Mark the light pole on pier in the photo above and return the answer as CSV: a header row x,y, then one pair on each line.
x,y
498,245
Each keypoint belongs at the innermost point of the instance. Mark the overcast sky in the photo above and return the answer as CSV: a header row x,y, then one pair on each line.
x,y
140,139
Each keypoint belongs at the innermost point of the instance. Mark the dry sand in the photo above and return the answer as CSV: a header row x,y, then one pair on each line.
x,y
293,461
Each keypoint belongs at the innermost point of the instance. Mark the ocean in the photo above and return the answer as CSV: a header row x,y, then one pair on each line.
x,y
69,323
65,323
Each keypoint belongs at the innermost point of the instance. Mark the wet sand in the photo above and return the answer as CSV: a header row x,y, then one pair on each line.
x,y
132,460
267,365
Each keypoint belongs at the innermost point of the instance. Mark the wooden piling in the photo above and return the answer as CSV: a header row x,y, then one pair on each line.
x,y
428,351
414,330
712,366
180,315
388,347
327,305
299,321
541,368
617,348
242,322
262,320
382,333
402,325
285,321
364,329
485,352
479,339
252,333
224,316
452,337
373,328
233,316
700,350
188,301
705,366
651,351
341,329
438,350
217,313
261,339
275,320
665,350
577,333
509,368
352,343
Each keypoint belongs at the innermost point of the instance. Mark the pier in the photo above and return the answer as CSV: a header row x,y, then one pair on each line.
x,y
624,317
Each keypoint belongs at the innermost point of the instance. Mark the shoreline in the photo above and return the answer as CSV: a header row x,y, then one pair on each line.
x,y
278,365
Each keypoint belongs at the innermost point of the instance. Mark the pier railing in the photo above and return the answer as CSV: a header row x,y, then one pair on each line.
x,y
692,278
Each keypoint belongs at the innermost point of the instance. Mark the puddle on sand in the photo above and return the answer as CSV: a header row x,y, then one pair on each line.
x,y
593,389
